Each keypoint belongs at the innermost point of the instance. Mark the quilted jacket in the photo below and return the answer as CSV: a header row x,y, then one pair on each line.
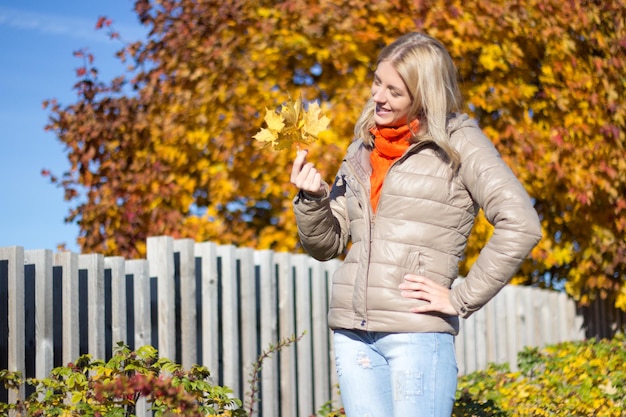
x,y
421,226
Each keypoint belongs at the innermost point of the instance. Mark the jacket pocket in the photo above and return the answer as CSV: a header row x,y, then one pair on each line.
x,y
415,262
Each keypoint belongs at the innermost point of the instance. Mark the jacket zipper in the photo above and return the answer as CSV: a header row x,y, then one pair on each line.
x,y
368,206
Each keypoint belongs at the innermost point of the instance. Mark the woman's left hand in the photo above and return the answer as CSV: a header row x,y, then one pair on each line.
x,y
422,288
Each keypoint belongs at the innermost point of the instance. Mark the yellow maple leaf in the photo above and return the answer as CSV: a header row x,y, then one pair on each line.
x,y
266,135
291,112
275,125
275,122
314,121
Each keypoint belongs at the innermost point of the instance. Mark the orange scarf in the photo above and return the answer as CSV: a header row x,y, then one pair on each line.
x,y
390,143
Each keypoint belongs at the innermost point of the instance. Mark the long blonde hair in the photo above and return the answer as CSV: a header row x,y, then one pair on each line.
x,y
430,76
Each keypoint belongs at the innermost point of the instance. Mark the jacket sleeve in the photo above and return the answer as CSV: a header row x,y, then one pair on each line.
x,y
323,225
508,208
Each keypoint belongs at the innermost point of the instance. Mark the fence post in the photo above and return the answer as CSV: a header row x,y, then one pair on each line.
x,y
42,261
207,252
302,295
188,314
269,405
287,329
140,270
230,318
573,324
94,264
248,302
68,262
15,289
160,253
320,334
513,332
119,324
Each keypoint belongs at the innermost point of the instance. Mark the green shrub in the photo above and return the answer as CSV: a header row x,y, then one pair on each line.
x,y
91,387
568,379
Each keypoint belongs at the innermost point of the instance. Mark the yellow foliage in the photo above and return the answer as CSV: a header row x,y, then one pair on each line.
x,y
492,57
580,378
544,79
293,124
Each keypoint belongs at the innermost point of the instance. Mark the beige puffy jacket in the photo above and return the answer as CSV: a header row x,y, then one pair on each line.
x,y
421,226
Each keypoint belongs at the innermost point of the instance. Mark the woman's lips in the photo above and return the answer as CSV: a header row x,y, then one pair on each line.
x,y
382,110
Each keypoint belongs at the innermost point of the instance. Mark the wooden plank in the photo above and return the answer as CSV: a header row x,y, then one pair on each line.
x,y
269,388
549,317
160,255
491,349
536,324
94,265
521,323
511,334
68,262
188,314
230,319
42,260
480,338
499,314
286,329
207,252
528,319
329,269
303,324
119,324
469,337
460,348
140,270
319,335
248,301
15,257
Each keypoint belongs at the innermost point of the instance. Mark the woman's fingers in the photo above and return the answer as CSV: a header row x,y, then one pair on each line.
x,y
298,163
305,176
422,288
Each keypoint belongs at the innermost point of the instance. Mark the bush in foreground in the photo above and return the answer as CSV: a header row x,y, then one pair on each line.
x,y
129,380
567,379
90,387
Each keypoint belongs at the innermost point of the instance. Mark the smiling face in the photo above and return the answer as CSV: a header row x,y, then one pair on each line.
x,y
393,101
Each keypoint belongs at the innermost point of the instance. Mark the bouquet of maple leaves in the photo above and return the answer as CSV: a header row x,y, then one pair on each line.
x,y
293,124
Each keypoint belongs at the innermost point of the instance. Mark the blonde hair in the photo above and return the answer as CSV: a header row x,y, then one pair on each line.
x,y
430,76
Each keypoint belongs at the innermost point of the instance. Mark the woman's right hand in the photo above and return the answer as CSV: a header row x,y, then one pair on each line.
x,y
305,176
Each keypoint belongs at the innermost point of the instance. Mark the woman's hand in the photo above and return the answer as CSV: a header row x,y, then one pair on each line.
x,y
422,288
306,177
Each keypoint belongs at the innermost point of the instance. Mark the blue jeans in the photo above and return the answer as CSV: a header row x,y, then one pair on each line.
x,y
396,374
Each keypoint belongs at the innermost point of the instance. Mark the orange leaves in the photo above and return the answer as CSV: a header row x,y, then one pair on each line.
x,y
180,151
103,22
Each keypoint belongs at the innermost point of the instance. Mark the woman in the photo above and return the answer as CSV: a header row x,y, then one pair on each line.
x,y
406,195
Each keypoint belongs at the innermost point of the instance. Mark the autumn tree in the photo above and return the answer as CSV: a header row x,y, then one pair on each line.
x,y
168,147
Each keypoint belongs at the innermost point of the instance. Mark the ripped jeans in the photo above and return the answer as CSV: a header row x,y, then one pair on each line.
x,y
396,374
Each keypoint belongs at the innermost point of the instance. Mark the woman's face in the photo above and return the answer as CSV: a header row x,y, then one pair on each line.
x,y
392,99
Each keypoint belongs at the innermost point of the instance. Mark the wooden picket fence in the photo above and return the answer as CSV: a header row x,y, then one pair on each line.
x,y
221,307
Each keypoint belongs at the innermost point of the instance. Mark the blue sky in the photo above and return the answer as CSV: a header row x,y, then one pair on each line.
x,y
37,41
